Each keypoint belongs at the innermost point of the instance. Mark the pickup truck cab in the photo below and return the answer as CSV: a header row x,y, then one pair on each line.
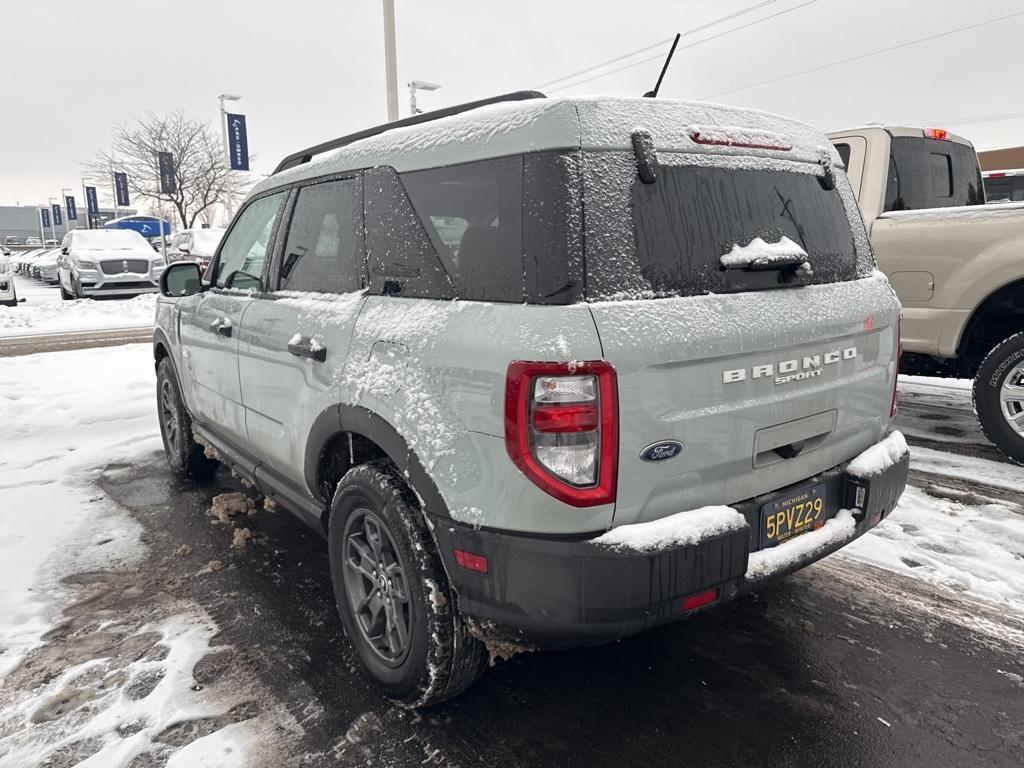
x,y
956,263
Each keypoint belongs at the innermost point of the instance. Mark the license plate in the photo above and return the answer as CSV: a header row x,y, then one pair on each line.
x,y
792,515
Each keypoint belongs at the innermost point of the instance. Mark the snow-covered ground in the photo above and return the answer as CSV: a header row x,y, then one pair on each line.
x,y
44,312
64,416
67,415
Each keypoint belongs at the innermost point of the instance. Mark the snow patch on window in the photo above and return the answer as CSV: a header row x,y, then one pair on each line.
x,y
879,457
757,251
682,529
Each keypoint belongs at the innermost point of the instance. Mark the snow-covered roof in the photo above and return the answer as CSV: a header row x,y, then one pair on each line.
x,y
590,123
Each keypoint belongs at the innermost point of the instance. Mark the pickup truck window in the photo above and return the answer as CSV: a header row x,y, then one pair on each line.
x,y
932,173
844,153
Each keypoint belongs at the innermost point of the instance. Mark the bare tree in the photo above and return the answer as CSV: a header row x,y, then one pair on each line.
x,y
202,181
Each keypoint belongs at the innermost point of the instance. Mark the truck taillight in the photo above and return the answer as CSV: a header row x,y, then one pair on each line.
x,y
896,375
936,133
561,428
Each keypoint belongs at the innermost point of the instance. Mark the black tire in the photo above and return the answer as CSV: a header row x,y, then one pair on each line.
x,y
184,456
440,658
1004,361
64,295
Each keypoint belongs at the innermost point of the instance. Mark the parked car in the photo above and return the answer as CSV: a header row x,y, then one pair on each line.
x,y
45,266
8,291
50,242
23,260
196,245
107,262
33,241
12,240
668,376
955,263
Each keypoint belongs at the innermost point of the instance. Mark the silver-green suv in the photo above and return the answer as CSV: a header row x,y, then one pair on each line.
x,y
544,372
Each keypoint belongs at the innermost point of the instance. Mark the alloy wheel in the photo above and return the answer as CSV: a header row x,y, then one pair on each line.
x,y
376,586
1011,399
169,416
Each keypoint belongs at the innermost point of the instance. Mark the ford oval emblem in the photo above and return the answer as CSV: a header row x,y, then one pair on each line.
x,y
666,449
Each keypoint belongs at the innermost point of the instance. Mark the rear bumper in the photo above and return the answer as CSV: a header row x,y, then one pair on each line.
x,y
563,592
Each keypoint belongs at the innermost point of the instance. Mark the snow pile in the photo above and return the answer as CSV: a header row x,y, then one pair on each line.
x,y
954,539
758,252
57,429
996,474
768,562
81,315
729,135
679,530
879,457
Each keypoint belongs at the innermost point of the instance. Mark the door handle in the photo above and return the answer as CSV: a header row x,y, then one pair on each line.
x,y
222,326
305,347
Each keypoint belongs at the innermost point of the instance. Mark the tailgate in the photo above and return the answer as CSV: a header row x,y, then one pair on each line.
x,y
762,389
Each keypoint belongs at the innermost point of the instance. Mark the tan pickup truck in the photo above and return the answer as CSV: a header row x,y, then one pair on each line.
x,y
956,264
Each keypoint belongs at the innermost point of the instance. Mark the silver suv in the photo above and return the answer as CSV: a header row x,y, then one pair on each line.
x,y
544,372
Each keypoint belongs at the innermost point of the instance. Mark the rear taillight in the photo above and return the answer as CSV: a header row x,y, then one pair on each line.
x,y
936,133
896,374
561,428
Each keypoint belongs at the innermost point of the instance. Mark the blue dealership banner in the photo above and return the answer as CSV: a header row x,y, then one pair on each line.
x,y
92,204
168,184
121,188
46,216
238,142
69,203
56,215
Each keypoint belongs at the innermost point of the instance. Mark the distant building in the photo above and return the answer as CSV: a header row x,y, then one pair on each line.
x,y
1001,159
22,221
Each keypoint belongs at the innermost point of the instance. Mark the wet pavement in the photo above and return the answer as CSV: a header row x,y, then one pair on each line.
x,y
838,665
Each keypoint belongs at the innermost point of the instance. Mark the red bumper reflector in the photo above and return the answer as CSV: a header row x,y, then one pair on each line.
x,y
582,417
471,562
700,599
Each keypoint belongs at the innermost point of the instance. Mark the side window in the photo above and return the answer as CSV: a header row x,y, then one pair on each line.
x,y
324,249
893,200
245,249
844,153
400,256
473,213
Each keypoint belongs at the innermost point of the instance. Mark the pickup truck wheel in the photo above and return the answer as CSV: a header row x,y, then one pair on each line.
x,y
397,607
185,457
999,396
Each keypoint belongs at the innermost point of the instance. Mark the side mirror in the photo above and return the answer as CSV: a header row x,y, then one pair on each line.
x,y
184,249
181,278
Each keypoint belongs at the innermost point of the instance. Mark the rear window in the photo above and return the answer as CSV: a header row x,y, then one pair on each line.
x,y
1005,189
932,173
692,216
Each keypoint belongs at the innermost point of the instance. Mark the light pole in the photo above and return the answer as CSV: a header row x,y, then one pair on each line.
x,y
390,63
227,154
419,85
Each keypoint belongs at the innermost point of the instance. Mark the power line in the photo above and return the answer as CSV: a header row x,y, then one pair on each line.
x,y
863,56
646,48
685,47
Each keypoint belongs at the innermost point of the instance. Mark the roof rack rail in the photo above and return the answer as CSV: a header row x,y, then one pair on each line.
x,y
306,155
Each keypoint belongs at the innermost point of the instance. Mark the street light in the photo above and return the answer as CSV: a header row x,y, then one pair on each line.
x,y
419,85
227,157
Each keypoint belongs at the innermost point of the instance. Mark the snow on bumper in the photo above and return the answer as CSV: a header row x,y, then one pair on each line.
x,y
564,592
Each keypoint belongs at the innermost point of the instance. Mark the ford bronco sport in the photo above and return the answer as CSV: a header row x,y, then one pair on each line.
x,y
544,372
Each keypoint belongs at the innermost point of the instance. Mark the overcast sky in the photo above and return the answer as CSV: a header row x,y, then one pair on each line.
x,y
311,70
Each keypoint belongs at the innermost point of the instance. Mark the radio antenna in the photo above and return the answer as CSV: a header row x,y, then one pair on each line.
x,y
654,94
